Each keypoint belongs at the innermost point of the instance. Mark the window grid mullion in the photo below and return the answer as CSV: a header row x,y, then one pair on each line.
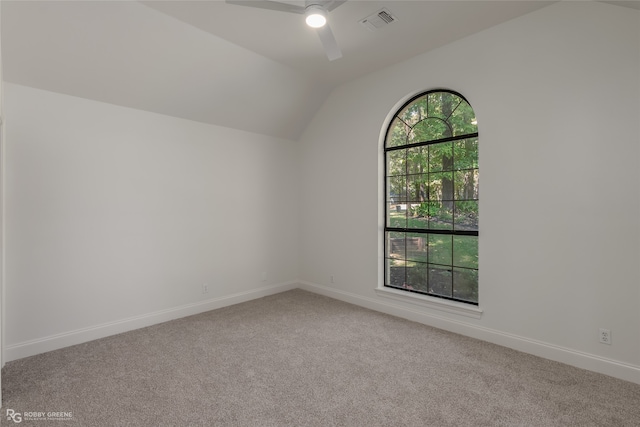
x,y
435,141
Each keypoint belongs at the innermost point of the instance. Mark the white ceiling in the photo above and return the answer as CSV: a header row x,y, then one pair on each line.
x,y
285,38
251,69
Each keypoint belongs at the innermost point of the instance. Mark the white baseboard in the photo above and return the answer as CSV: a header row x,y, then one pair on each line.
x,y
614,368
569,356
54,342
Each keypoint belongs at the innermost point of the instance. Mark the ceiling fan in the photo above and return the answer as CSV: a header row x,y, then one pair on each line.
x,y
315,12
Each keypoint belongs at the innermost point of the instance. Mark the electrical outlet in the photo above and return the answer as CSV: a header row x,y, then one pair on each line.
x,y
332,280
205,288
605,336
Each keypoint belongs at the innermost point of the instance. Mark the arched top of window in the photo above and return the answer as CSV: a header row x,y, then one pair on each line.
x,y
432,116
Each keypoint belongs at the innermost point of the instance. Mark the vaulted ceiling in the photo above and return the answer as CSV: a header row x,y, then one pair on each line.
x,y
256,70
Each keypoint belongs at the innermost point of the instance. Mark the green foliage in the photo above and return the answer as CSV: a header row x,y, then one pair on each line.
x,y
434,116
465,153
397,134
467,207
463,120
431,117
426,209
429,129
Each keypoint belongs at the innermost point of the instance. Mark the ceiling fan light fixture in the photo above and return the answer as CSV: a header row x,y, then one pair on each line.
x,y
316,16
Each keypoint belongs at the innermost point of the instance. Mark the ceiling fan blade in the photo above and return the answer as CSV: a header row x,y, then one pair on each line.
x,y
270,5
333,4
329,43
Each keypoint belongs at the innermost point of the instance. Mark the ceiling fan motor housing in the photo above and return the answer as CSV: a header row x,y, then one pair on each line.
x,y
316,15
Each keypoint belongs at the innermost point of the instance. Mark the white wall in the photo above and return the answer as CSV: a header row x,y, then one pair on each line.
x,y
1,220
557,97
115,218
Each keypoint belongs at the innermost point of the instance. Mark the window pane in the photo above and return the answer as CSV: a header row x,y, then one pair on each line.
x,y
423,210
397,215
415,111
440,280
397,134
418,188
417,275
466,217
396,162
441,186
440,249
442,104
396,274
396,189
419,214
442,219
466,154
414,219
465,251
395,245
463,120
441,156
429,130
416,246
465,284
417,159
466,184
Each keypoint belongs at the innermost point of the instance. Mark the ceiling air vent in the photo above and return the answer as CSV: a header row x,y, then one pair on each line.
x,y
380,19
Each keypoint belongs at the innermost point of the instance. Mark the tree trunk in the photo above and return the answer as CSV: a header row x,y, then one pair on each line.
x,y
470,181
447,162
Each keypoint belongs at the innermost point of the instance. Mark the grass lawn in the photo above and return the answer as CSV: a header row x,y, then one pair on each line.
x,y
458,251
435,264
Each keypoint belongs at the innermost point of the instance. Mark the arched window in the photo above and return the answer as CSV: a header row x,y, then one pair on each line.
x,y
431,198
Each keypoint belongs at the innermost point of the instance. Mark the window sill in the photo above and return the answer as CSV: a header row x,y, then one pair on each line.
x,y
430,302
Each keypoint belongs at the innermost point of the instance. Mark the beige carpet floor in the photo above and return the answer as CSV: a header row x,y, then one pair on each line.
x,y
300,359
